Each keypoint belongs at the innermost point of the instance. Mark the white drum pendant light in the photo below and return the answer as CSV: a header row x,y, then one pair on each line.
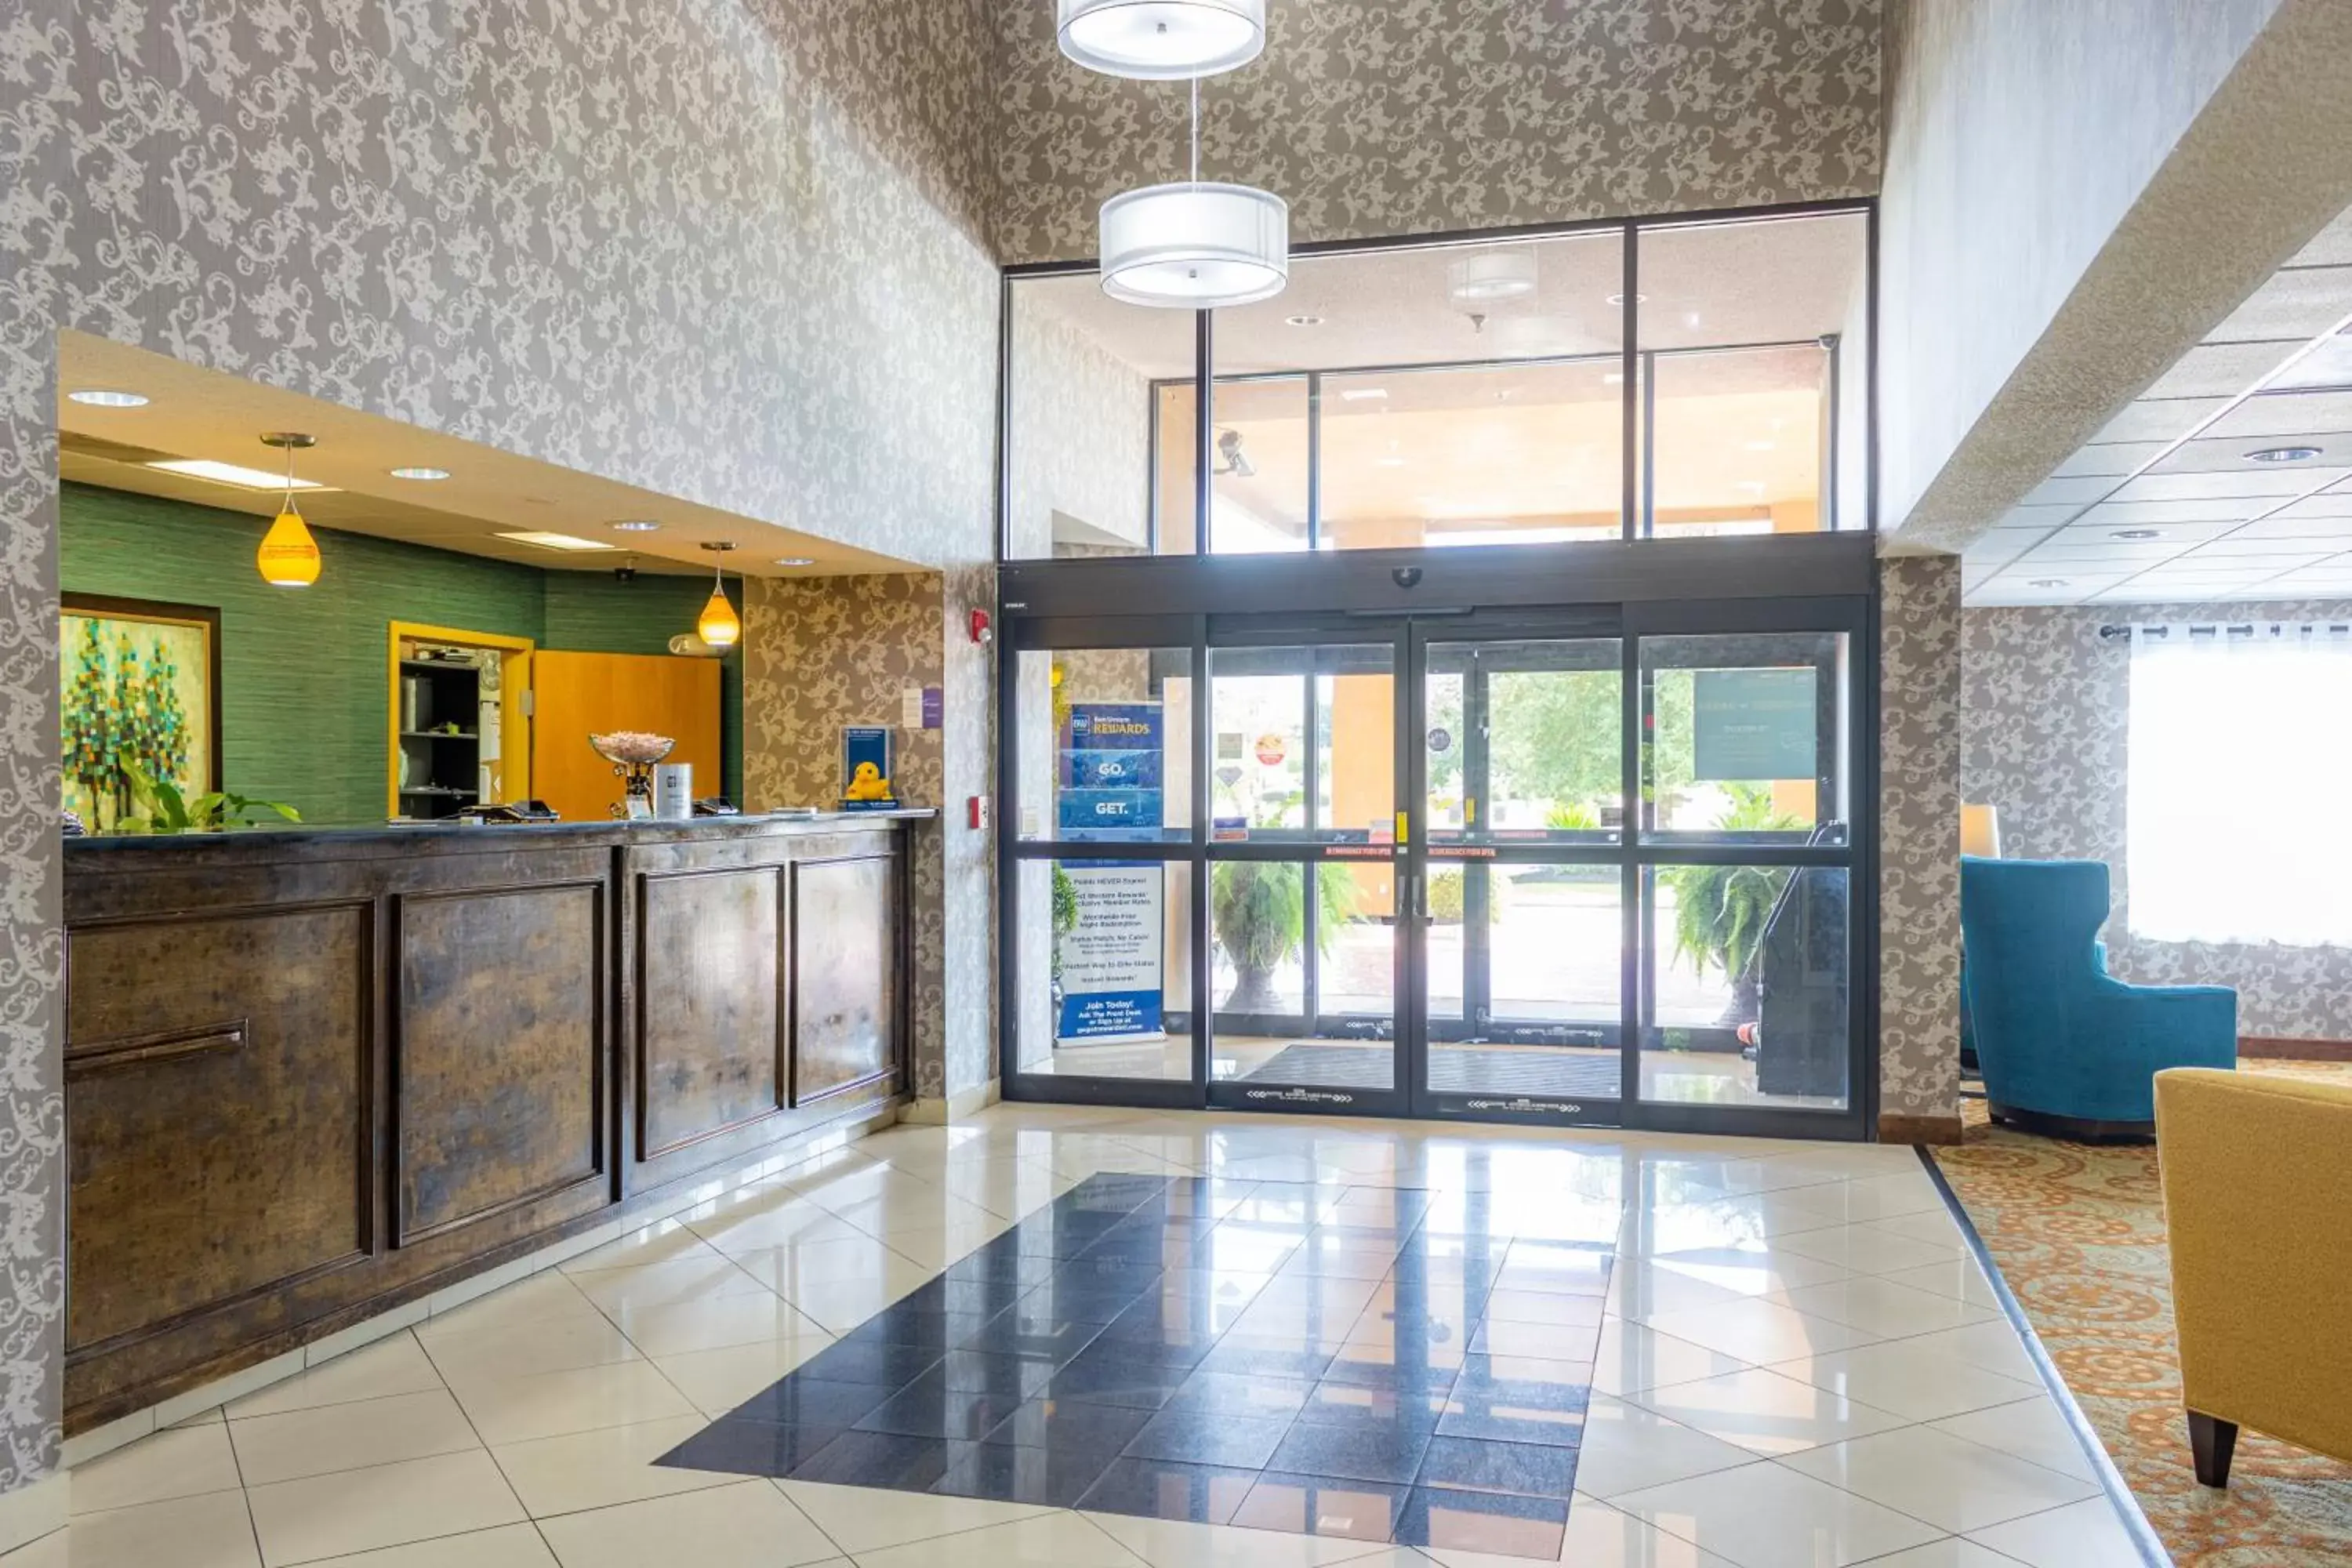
x,y
1160,41
1195,245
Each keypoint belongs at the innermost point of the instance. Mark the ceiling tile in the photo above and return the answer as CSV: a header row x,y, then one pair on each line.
x,y
2159,418
2287,414
2222,370
2248,488
2295,545
2213,516
2332,247
2061,492
2300,302
2205,561
2115,458
2209,454
2332,508
2096,551
2330,365
2140,591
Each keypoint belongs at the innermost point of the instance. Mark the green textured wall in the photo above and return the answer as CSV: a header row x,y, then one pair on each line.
x,y
303,683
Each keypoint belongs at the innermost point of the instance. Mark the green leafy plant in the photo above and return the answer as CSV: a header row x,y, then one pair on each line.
x,y
1571,817
1720,910
1258,911
1066,914
162,809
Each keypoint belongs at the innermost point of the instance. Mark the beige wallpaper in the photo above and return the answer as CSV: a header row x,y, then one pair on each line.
x,y
1386,116
2046,727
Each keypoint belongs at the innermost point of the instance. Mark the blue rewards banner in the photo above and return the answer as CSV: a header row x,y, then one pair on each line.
x,y
1108,789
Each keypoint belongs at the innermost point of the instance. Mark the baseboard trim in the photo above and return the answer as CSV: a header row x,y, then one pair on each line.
x,y
2271,1048
33,1512
2133,1519
954,1108
1892,1129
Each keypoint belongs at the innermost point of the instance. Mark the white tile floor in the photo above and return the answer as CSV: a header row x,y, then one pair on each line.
x,y
1799,1365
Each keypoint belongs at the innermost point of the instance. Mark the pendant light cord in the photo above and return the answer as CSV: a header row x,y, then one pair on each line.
x,y
289,477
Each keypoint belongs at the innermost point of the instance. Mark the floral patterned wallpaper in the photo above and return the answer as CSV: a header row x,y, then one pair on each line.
x,y
1387,117
730,250
1919,837
2045,719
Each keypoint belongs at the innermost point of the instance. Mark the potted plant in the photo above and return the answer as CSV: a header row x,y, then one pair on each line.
x,y
1720,910
1258,911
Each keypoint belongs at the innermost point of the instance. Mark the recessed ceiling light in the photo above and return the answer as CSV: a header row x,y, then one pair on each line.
x,y
1620,299
795,560
2134,533
426,474
2048,583
2283,455
1391,461
98,397
233,474
1363,394
636,525
557,542
1762,446
1751,484
1614,378
1304,321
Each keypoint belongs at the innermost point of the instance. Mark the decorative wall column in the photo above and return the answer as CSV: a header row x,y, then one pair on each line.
x,y
1919,848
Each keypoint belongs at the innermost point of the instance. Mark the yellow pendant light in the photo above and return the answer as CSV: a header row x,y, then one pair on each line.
x,y
288,556
720,626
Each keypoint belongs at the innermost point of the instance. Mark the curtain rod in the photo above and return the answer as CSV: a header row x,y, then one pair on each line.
x,y
2242,629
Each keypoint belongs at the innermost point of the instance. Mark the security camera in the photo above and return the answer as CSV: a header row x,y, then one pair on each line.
x,y
1238,463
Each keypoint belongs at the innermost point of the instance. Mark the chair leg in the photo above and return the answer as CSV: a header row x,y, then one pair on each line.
x,y
2211,1443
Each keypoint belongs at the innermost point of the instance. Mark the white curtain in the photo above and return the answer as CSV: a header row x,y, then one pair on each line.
x,y
2238,820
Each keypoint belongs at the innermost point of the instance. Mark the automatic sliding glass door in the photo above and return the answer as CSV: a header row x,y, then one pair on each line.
x,y
1522,770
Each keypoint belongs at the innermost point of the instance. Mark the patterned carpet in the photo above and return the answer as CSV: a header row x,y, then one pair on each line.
x,y
2078,1231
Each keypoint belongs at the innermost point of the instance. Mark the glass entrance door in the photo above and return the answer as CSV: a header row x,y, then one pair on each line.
x,y
1559,868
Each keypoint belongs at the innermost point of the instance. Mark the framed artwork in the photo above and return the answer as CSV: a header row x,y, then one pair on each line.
x,y
139,683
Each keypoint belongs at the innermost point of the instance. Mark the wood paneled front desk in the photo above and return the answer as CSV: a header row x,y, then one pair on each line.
x,y
313,1074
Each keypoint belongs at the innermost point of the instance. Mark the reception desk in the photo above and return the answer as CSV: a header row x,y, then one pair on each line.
x,y
311,1076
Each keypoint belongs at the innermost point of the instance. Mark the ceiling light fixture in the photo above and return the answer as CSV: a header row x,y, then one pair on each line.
x,y
2134,533
1304,321
1762,446
1491,275
795,560
426,475
288,556
98,397
636,525
1620,299
570,542
2282,455
2048,583
718,624
1194,246
1160,41
235,474
1363,394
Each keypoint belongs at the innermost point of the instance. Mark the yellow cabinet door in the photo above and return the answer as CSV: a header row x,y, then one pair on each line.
x,y
576,695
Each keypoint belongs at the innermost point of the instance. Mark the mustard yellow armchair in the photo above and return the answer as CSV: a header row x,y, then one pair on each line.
x,y
2258,1201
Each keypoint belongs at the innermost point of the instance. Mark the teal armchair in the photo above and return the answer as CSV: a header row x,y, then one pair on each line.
x,y
2065,1048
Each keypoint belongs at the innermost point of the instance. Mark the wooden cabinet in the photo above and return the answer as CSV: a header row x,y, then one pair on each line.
x,y
575,695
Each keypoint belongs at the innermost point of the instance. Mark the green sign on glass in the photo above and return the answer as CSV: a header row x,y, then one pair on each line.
x,y
1752,725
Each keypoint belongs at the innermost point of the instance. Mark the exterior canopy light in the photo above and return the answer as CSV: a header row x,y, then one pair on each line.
x,y
1195,245
1160,41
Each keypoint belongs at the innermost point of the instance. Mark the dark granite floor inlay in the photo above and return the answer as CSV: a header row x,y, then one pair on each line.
x,y
1266,1354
